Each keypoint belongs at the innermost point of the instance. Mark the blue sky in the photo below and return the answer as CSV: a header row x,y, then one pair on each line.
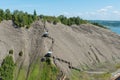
x,y
87,9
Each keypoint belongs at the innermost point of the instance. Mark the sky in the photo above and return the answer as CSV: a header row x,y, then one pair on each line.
x,y
86,9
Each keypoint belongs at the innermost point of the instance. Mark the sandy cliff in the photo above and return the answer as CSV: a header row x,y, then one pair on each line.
x,y
84,45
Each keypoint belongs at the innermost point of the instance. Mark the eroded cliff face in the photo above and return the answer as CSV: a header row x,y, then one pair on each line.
x,y
84,45
29,41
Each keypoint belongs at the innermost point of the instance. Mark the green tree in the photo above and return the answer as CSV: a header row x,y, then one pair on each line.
x,y
77,20
63,19
69,23
8,15
7,68
34,15
1,15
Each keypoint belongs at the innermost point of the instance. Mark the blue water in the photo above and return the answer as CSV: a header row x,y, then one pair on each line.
x,y
114,29
114,26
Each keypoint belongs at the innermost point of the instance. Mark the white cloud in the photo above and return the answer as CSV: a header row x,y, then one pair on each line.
x,y
66,13
102,10
106,13
105,9
109,7
116,12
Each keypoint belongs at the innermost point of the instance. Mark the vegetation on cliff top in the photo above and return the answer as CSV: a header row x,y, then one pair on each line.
x,y
64,20
20,18
23,19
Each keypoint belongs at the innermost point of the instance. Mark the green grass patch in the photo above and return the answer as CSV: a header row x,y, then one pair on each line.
x,y
43,71
35,72
117,66
48,72
38,71
105,76
76,75
22,75
85,76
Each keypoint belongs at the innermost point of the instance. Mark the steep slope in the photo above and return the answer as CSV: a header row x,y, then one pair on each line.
x,y
85,47
28,41
21,39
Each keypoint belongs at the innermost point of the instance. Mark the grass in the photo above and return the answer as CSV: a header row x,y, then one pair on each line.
x,y
35,72
85,76
117,66
76,75
43,71
39,71
22,75
48,72
105,76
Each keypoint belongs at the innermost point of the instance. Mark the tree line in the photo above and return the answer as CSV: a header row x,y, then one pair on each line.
x,y
20,18
23,19
64,20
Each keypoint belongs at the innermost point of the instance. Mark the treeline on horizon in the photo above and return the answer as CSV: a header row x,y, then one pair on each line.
x,y
24,19
64,20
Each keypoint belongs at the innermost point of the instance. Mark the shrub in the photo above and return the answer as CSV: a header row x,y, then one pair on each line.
x,y
54,22
20,53
11,51
48,61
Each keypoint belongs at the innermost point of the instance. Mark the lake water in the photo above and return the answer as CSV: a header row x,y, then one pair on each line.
x,y
114,29
114,26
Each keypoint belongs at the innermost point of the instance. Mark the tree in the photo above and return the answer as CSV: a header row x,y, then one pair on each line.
x,y
77,20
69,23
8,15
7,68
63,19
35,14
1,15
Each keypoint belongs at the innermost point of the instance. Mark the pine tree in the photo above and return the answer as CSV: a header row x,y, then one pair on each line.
x,y
7,68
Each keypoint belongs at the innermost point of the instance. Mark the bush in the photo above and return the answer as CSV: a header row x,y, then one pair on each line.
x,y
28,26
20,53
48,61
54,22
11,51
